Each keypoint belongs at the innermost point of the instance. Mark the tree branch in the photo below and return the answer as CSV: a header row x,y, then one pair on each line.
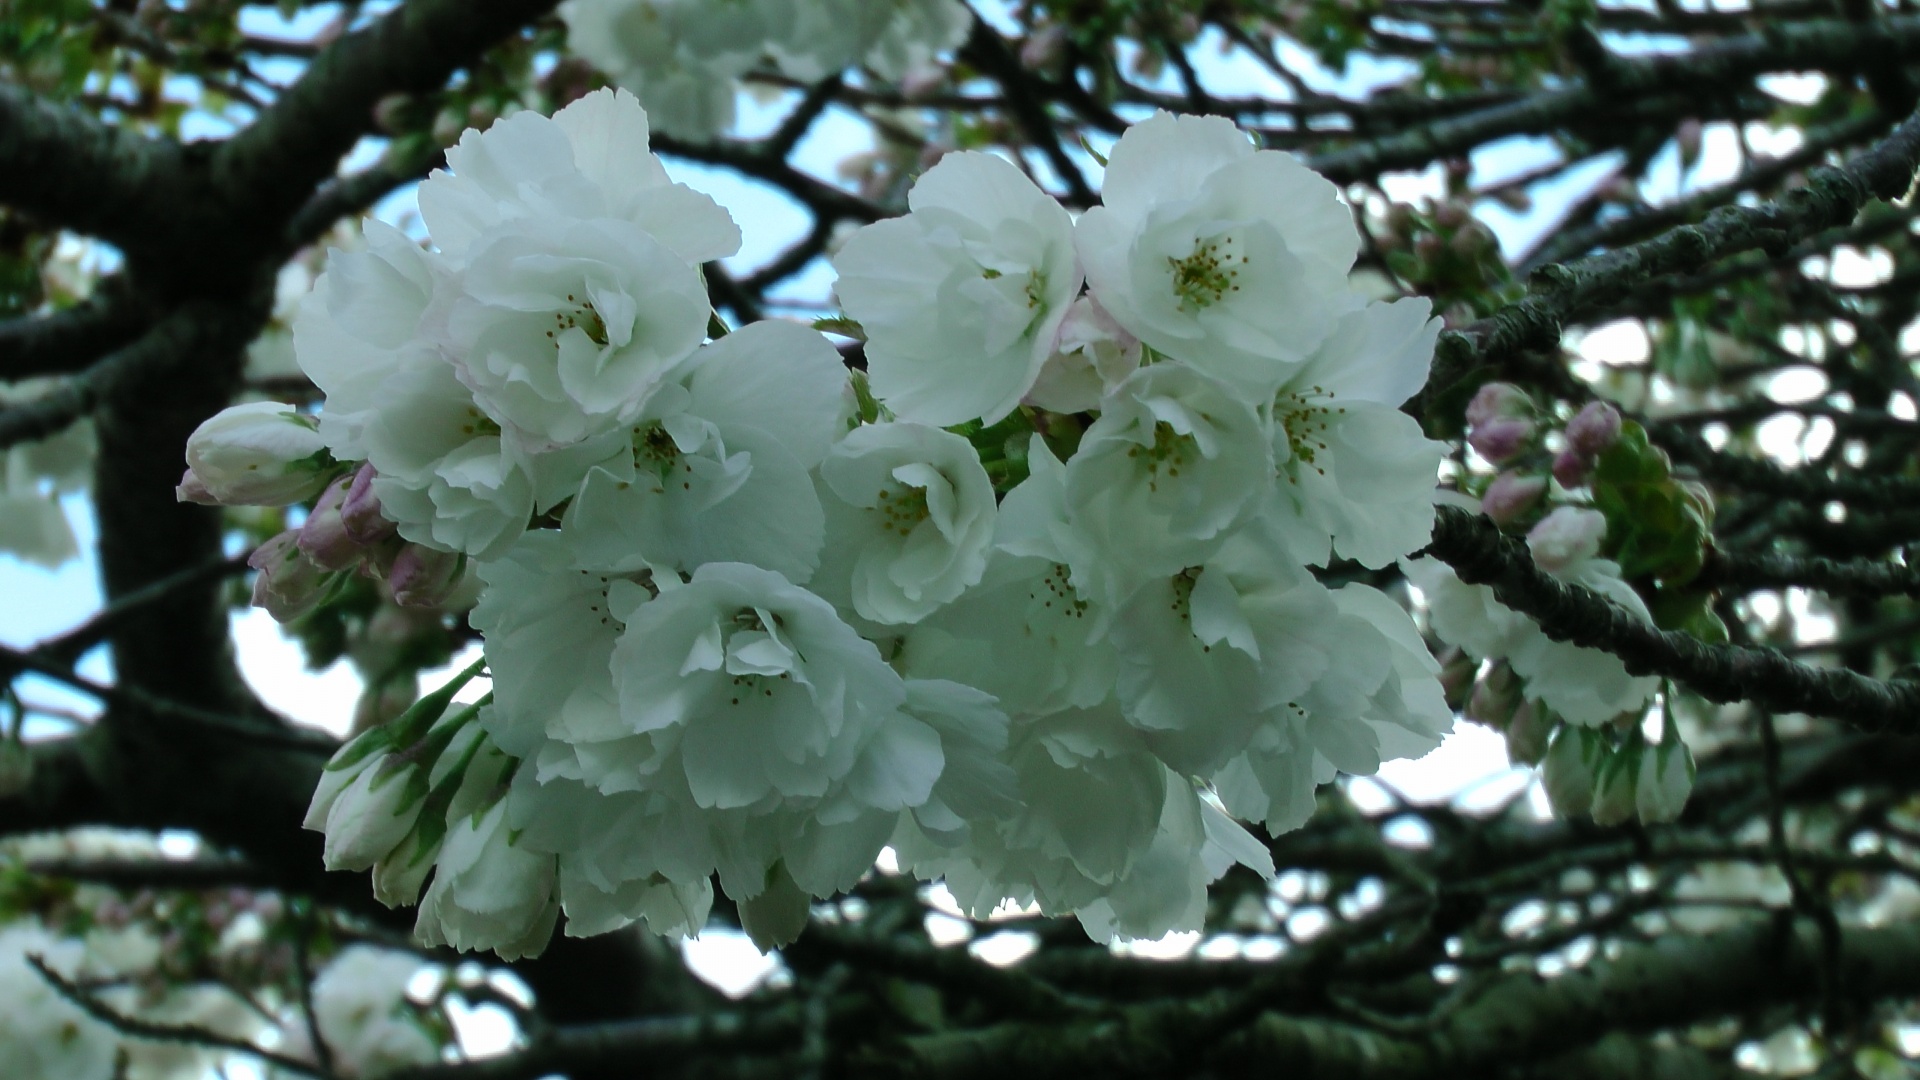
x,y
67,341
269,169
1482,555
1559,292
63,165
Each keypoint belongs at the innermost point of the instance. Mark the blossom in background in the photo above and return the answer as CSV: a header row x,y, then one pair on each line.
x,y
45,1036
360,1008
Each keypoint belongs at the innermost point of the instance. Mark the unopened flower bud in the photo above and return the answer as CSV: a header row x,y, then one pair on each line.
x,y
323,536
423,577
1044,48
1528,730
1496,697
1449,215
289,584
194,490
1567,771
1571,468
1471,242
360,510
263,453
1495,400
1502,439
1666,779
1457,671
392,113
1594,429
1687,138
1613,795
367,820
1512,496
1569,535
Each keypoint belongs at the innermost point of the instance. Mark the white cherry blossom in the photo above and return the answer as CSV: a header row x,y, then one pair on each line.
x,y
717,470
1026,633
910,515
1232,259
1175,461
1356,474
589,161
361,1009
1583,686
488,891
563,328
961,298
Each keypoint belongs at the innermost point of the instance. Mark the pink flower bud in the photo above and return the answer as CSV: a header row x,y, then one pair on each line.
x,y
1571,468
1502,438
423,577
1512,496
1567,536
289,584
1498,399
1595,428
323,538
192,489
360,510
262,453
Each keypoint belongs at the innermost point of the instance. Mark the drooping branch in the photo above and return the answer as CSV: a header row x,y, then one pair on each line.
x,y
1482,555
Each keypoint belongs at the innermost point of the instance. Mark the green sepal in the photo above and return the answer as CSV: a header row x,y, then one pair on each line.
x,y
410,726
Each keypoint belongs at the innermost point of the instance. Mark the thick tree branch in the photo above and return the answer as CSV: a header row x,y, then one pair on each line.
x,y
273,166
67,167
155,353
68,341
1740,573
1560,292
1481,554
656,1040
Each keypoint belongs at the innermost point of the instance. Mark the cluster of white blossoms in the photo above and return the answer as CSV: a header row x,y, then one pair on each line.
x,y
750,618
683,58
46,1036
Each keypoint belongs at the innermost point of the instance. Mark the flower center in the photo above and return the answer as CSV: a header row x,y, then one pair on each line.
x,y
478,423
901,509
1056,593
1168,453
1205,277
1305,416
1182,605
583,317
